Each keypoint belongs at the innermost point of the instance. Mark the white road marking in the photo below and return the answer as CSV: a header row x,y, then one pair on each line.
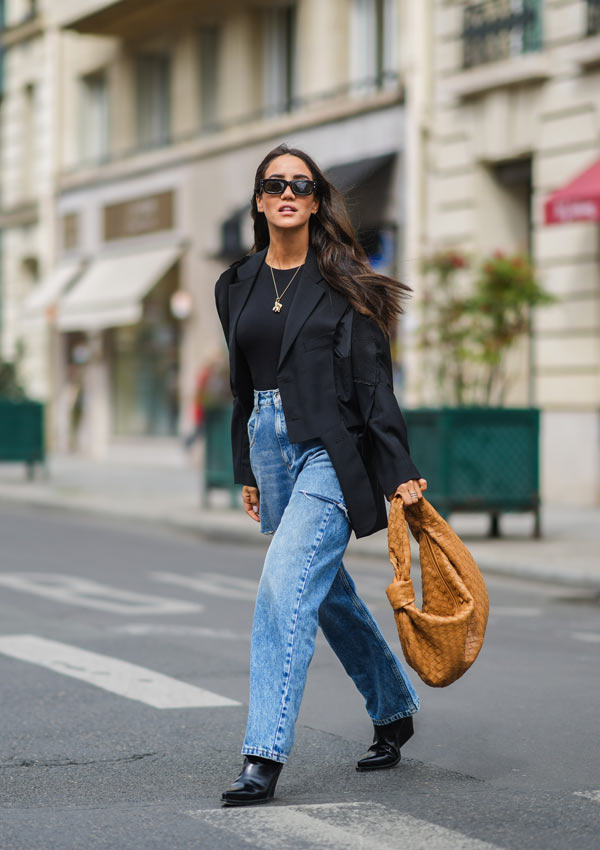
x,y
111,674
335,826
142,629
73,590
586,637
594,796
214,584
514,611
233,587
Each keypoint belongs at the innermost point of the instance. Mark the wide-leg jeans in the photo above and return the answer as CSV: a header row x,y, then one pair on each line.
x,y
304,584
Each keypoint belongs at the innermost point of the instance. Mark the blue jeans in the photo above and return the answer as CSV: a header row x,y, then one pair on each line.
x,y
304,584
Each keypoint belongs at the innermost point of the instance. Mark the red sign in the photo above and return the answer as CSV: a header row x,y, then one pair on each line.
x,y
579,200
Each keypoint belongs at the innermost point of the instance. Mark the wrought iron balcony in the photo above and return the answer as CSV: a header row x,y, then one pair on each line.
x,y
498,29
593,17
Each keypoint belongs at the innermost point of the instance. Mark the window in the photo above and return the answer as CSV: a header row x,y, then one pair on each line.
x,y
280,60
498,29
94,117
373,43
593,17
30,274
209,49
153,72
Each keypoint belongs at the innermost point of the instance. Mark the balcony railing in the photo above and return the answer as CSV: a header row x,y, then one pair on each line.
x,y
593,17
498,29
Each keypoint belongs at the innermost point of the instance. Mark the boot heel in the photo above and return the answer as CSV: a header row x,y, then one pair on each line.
x,y
255,784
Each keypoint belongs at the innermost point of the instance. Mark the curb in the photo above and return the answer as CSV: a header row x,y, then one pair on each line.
x,y
212,529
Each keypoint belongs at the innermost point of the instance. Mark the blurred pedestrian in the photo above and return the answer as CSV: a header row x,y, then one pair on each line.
x,y
318,439
212,390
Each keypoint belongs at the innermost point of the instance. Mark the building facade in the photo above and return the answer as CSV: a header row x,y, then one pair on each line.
x,y
164,113
513,115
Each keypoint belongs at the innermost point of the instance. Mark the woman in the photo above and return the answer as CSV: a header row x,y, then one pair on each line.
x,y
318,439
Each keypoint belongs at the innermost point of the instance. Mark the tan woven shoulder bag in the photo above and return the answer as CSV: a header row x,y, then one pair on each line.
x,y
441,640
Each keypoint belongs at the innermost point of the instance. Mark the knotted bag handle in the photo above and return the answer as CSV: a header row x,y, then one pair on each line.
x,y
401,592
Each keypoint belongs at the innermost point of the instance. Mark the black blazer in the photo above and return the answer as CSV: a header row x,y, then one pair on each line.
x,y
335,379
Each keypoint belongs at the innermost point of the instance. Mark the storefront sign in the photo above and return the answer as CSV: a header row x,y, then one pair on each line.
x,y
139,216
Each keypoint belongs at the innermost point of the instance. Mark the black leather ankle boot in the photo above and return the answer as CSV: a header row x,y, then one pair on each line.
x,y
385,749
255,784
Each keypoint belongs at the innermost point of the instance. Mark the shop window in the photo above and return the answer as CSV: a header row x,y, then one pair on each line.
x,y
209,49
144,368
93,132
373,44
153,85
279,60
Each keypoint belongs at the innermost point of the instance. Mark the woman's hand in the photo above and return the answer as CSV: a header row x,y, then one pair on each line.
x,y
411,491
251,500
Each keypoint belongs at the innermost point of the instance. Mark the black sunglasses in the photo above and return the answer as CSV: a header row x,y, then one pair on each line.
x,y
277,186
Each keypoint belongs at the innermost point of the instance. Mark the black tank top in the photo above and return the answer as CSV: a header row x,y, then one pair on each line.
x,y
260,329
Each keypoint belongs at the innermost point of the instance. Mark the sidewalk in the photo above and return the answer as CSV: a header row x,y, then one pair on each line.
x,y
155,482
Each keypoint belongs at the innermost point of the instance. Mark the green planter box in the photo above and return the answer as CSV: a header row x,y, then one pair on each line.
x,y
218,461
478,459
22,432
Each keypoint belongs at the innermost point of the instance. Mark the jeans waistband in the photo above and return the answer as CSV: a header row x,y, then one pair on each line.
x,y
262,398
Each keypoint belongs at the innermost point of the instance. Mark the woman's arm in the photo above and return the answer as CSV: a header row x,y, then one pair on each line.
x,y
372,372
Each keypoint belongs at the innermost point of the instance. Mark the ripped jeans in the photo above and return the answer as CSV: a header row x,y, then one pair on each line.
x,y
305,584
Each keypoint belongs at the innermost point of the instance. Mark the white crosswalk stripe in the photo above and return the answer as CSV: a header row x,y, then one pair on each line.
x,y
586,637
110,674
235,587
170,630
213,584
334,826
72,590
594,796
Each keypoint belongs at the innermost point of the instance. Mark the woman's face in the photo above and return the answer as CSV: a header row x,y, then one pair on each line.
x,y
287,211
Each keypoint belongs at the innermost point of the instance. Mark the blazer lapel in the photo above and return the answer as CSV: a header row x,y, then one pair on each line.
x,y
239,291
306,297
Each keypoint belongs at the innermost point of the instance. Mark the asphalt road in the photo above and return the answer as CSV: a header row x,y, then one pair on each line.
x,y
99,754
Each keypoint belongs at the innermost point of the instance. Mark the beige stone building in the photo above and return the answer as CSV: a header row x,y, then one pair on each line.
x,y
512,113
28,159
165,110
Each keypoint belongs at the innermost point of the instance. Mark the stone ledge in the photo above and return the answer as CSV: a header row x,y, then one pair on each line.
x,y
517,71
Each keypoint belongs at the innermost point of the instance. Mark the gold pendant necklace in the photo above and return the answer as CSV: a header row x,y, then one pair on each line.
x,y
278,305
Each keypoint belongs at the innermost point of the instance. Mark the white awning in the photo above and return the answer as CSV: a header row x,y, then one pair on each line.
x,y
48,291
111,291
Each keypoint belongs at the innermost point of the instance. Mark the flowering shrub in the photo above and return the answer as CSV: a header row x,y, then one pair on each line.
x,y
466,337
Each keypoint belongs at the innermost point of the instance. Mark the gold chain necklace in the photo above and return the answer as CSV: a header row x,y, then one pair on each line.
x,y
278,305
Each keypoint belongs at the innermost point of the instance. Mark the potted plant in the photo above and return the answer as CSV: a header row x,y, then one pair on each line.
x,y
479,454
21,421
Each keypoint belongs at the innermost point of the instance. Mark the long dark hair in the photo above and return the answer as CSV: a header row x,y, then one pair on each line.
x,y
342,260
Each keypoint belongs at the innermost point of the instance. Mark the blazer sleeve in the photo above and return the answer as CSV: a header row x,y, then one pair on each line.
x,y
242,470
373,378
